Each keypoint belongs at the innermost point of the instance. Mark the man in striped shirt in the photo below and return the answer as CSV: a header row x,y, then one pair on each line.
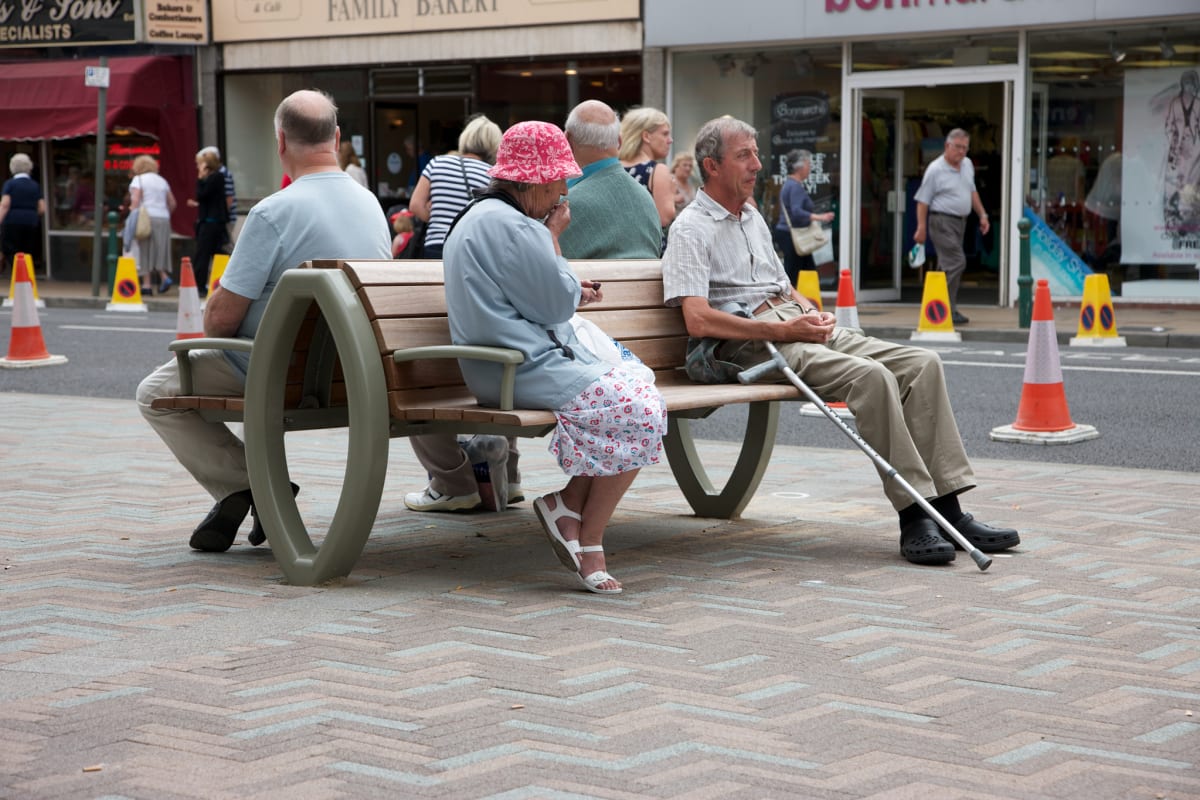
x,y
721,251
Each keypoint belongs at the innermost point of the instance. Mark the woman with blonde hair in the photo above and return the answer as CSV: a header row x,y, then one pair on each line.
x,y
645,143
448,182
211,215
681,176
149,189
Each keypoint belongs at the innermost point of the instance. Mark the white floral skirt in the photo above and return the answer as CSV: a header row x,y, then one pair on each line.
x,y
615,425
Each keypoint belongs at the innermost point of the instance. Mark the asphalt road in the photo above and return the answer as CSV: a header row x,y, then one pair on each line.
x,y
1143,401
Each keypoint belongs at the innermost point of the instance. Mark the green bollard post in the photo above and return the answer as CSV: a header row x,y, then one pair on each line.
x,y
112,250
1025,278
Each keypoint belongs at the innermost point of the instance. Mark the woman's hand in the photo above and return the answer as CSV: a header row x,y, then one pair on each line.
x,y
559,218
192,202
590,292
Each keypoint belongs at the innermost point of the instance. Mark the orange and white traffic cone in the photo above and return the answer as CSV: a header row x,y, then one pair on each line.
x,y
936,323
26,347
189,323
808,284
846,314
1097,320
1043,416
12,282
846,311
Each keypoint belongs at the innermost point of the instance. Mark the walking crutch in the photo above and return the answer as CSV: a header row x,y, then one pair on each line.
x,y
778,362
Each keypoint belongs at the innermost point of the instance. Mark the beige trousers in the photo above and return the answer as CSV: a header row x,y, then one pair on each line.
x,y
898,396
210,451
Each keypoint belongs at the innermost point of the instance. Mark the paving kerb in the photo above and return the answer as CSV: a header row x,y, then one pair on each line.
x,y
791,653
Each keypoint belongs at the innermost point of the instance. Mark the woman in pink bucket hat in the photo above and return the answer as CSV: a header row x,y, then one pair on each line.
x,y
507,285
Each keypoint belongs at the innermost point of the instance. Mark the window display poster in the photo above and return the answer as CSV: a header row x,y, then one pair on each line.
x,y
801,122
1053,259
1160,208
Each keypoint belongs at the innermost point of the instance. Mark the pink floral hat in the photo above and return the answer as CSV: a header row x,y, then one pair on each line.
x,y
534,152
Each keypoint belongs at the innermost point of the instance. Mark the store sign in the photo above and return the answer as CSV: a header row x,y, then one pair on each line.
x,y
44,23
671,23
119,157
250,20
176,21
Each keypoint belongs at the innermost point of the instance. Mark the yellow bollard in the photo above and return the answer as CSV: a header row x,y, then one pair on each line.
x,y
936,323
1097,320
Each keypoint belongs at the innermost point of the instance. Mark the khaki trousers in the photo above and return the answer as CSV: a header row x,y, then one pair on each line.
x,y
446,462
898,396
210,451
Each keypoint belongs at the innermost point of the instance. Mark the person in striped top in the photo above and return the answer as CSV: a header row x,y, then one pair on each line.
x,y
448,182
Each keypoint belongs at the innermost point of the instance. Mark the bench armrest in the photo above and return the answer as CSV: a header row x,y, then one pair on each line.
x,y
500,355
181,347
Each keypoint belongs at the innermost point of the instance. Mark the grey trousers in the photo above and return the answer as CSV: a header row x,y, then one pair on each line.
x,y
898,396
947,235
446,462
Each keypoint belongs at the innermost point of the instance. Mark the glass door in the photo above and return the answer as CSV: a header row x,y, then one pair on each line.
x,y
880,197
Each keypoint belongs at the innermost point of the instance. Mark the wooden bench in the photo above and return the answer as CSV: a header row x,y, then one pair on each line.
x,y
366,345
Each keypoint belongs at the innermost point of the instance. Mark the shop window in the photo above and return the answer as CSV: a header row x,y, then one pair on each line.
x,y
1114,153
792,96
71,196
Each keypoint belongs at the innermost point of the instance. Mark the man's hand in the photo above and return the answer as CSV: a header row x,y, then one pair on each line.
x,y
919,235
815,327
984,225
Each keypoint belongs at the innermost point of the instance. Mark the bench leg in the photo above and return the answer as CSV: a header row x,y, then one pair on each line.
x,y
757,444
304,564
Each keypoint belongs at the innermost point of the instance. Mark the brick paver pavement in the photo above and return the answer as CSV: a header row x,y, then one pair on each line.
x,y
788,654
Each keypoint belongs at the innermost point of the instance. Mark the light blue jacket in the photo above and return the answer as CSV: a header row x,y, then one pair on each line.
x,y
506,287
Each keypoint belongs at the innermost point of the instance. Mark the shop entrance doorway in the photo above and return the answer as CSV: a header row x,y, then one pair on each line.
x,y
904,118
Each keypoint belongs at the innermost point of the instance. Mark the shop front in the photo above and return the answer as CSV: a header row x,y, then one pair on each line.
x,y
51,115
1048,93
406,83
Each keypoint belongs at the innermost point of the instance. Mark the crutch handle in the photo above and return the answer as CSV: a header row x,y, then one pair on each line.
x,y
752,374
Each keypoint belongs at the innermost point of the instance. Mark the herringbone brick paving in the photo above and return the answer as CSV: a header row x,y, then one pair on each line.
x,y
791,653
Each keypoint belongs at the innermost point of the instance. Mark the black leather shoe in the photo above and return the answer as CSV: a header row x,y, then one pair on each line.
x,y
985,537
959,319
218,530
921,543
257,534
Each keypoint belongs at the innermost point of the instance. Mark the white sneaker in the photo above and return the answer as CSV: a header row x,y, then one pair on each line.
x,y
430,500
515,495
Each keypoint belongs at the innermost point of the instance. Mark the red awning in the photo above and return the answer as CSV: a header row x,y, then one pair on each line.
x,y
152,95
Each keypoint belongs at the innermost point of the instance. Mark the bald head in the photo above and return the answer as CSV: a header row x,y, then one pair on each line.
x,y
594,131
306,132
308,119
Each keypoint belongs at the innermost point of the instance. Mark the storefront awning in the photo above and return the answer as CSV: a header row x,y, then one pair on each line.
x,y
152,95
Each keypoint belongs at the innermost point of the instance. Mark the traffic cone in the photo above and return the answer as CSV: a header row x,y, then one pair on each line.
x,y
127,291
846,311
808,284
1043,416
216,269
1097,320
935,324
26,347
189,323
12,282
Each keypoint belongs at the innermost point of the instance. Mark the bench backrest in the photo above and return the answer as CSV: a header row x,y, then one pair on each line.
x,y
405,303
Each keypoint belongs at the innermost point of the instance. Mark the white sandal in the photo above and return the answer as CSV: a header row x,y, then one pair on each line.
x,y
592,582
567,550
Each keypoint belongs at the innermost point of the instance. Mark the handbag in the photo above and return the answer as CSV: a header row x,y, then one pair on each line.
x,y
142,228
808,240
